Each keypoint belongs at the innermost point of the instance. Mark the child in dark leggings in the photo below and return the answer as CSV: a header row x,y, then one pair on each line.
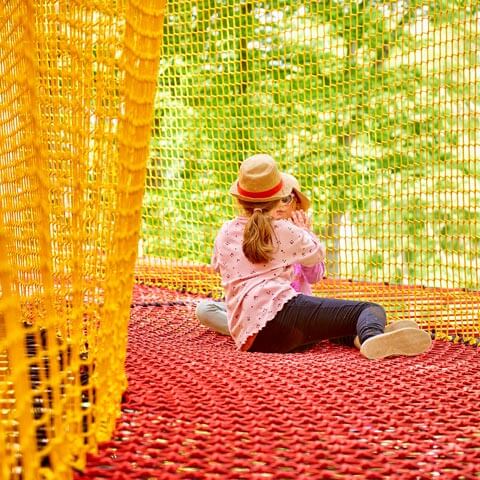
x,y
293,207
255,255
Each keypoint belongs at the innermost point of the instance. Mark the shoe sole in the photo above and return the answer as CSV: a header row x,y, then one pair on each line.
x,y
395,325
406,341
398,324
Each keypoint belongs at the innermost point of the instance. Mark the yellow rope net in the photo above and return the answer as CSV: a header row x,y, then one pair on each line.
x,y
77,84
373,106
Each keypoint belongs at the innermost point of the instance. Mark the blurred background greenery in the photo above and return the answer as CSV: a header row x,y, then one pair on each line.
x,y
373,105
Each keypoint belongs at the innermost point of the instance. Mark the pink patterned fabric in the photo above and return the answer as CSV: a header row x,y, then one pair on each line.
x,y
304,277
255,293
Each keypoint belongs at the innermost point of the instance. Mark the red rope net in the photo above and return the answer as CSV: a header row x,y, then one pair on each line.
x,y
196,408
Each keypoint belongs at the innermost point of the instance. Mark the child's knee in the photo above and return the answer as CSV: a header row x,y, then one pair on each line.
x,y
378,311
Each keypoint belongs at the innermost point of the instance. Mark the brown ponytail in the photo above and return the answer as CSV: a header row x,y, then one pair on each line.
x,y
258,234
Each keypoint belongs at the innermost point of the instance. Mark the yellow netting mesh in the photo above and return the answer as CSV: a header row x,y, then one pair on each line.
x,y
372,105
77,84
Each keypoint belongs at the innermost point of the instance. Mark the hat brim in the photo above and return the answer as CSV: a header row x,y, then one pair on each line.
x,y
304,201
287,188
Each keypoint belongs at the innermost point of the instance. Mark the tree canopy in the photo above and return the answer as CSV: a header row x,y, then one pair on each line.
x,y
372,105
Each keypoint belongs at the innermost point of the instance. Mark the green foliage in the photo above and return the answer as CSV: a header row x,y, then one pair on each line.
x,y
375,116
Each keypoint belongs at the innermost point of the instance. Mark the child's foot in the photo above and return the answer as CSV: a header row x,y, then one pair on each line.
x,y
398,324
405,341
395,325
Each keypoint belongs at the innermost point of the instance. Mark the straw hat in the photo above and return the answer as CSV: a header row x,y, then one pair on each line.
x,y
260,181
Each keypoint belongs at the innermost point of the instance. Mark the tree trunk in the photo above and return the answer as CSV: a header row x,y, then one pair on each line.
x,y
246,10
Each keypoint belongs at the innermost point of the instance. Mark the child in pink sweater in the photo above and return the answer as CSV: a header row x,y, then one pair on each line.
x,y
256,254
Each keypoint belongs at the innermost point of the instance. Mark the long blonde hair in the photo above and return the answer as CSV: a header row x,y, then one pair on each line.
x,y
258,235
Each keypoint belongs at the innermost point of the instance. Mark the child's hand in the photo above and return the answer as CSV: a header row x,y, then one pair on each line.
x,y
301,219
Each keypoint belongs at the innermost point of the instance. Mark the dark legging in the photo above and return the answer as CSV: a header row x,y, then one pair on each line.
x,y
305,320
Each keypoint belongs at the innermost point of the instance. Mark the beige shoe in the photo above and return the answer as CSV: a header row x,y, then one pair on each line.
x,y
398,324
405,341
395,325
